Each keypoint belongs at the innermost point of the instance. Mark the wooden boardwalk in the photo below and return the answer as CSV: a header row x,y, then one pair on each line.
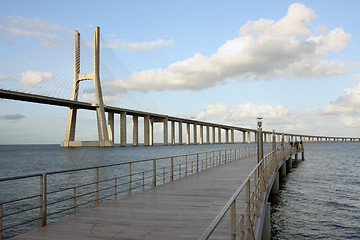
x,y
182,209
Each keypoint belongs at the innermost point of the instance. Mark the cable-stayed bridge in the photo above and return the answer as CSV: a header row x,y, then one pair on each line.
x,y
52,77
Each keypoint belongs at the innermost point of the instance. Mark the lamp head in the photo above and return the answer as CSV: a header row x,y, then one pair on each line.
x,y
259,121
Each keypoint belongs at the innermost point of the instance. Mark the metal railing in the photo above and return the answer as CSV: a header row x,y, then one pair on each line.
x,y
242,225
38,199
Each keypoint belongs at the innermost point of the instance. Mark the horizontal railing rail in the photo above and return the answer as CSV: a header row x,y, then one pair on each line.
x,y
242,225
26,202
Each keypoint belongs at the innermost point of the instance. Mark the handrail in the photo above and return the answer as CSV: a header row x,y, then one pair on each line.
x,y
261,168
57,195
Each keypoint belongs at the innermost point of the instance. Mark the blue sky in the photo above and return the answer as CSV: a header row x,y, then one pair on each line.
x,y
296,64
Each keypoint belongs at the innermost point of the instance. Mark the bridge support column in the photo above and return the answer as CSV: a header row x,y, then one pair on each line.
x,y
289,164
135,130
111,127
172,133
232,136
207,134
201,134
276,185
123,129
147,130
213,135
151,132
244,137
249,138
195,133
69,140
166,132
282,170
219,135
266,232
227,135
180,133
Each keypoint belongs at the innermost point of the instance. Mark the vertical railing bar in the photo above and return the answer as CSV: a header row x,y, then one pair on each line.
x,y
40,220
115,188
197,163
172,170
143,181
163,175
233,220
130,181
44,220
74,201
186,166
97,189
1,219
154,173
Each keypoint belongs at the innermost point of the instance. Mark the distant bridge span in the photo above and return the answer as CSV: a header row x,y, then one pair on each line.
x,y
154,117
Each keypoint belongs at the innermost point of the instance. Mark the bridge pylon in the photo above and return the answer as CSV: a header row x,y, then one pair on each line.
x,y
69,140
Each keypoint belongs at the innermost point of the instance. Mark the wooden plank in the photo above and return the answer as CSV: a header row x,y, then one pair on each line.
x,y
177,210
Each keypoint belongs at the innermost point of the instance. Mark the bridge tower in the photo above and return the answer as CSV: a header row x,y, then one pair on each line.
x,y
69,140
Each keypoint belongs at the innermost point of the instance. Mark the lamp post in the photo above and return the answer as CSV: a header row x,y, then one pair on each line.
x,y
260,140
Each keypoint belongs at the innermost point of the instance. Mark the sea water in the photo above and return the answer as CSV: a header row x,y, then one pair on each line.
x,y
320,199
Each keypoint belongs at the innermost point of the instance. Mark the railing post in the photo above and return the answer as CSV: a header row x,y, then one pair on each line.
x,y
163,175
206,158
143,181
74,201
115,188
97,189
1,221
130,181
172,170
225,155
248,211
220,157
179,170
154,173
40,220
233,220
242,227
186,166
45,200
197,162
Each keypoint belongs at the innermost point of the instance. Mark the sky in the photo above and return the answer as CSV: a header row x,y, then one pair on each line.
x,y
296,64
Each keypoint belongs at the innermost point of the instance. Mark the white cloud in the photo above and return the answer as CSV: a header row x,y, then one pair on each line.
x,y
18,26
265,49
34,78
347,104
139,46
246,112
350,121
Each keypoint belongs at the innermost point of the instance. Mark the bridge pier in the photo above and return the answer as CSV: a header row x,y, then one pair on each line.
x,y
103,134
195,133
135,130
111,126
219,135
123,129
180,133
172,124
208,134
147,130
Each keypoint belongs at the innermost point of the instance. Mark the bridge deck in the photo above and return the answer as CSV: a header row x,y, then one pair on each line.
x,y
178,210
